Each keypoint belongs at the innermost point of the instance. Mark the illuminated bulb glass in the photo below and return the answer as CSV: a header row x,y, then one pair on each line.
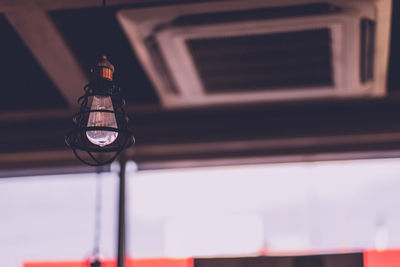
x,y
104,119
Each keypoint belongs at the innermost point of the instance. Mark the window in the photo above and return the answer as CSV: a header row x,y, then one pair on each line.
x,y
52,218
278,208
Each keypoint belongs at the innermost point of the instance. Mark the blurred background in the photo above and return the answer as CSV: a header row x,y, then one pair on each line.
x,y
267,133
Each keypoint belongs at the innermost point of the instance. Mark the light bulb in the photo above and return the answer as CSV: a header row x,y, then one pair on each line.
x,y
104,119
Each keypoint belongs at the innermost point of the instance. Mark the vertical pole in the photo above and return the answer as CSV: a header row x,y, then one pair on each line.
x,y
121,215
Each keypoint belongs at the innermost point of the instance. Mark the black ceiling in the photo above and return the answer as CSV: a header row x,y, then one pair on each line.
x,y
24,83
92,32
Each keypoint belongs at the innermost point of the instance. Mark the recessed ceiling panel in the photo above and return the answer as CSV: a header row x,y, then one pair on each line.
x,y
220,53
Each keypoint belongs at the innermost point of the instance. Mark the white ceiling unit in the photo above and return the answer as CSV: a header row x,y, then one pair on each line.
x,y
230,52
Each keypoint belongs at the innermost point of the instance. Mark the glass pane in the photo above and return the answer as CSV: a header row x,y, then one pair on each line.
x,y
276,208
52,218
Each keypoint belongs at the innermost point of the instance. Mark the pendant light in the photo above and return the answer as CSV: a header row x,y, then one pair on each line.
x,y
100,130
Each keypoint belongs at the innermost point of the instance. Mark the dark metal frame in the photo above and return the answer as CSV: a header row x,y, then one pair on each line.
x,y
121,215
83,149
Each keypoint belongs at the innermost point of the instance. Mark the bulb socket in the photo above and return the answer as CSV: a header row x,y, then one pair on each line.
x,y
104,70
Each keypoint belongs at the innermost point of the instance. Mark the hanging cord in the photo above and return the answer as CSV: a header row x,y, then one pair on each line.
x,y
98,212
103,12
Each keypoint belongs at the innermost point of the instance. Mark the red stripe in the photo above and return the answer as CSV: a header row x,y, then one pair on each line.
x,y
112,263
386,258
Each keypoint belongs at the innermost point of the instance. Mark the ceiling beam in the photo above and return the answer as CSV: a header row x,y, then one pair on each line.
x,y
62,4
267,133
48,47
27,115
16,5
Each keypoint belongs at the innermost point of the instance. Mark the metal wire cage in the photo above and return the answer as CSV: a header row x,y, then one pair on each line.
x,y
86,151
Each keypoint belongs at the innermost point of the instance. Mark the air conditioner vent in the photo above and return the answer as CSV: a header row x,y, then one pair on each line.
x,y
256,14
238,52
287,60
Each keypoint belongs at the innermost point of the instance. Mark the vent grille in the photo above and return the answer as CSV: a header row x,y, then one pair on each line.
x,y
160,65
264,62
367,50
